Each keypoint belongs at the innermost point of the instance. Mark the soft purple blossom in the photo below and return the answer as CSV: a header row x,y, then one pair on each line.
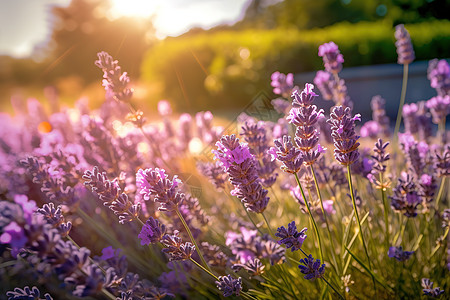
x,y
14,235
282,83
285,152
156,183
290,237
428,289
404,46
332,58
439,107
312,269
399,254
229,286
344,135
439,76
152,232
323,81
370,129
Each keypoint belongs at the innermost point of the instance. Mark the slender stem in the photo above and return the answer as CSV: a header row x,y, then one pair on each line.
x,y
330,236
268,225
438,197
204,269
385,205
402,101
350,185
192,238
311,216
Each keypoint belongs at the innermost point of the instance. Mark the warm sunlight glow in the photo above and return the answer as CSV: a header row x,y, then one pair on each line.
x,y
134,8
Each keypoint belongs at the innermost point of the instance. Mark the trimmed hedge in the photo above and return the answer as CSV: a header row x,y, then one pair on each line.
x,y
226,69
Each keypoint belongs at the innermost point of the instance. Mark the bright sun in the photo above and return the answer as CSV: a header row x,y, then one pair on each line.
x,y
134,8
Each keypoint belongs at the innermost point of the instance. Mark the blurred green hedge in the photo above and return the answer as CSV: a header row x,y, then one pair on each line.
x,y
226,69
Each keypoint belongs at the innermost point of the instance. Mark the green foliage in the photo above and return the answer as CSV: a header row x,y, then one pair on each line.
x,y
224,69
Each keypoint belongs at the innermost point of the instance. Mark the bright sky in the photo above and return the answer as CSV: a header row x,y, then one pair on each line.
x,y
24,23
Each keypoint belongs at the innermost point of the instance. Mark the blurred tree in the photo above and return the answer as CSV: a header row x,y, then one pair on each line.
x,y
84,28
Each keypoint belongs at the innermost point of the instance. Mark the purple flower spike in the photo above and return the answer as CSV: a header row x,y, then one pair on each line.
x,y
155,182
344,135
285,152
439,76
152,232
27,293
332,57
323,82
399,254
282,83
404,46
312,268
176,249
428,289
439,107
13,235
291,237
241,167
229,286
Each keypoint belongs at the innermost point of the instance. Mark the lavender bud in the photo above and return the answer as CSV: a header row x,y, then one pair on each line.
x,y
229,286
312,268
404,46
332,58
291,237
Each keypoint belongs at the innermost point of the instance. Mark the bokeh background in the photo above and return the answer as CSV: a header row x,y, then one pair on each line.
x,y
210,55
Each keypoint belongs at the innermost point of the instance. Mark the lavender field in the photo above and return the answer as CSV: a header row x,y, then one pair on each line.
x,y
114,203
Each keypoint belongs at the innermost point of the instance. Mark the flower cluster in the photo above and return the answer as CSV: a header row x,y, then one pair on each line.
x,y
27,293
115,82
290,237
406,196
152,232
428,289
240,165
111,195
175,248
332,57
304,116
229,286
282,84
404,46
290,157
379,168
155,183
439,76
311,268
344,136
399,254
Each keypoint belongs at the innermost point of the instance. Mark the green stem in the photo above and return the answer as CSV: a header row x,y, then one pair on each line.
x,y
192,238
330,236
311,216
204,269
385,205
438,197
268,225
350,185
402,101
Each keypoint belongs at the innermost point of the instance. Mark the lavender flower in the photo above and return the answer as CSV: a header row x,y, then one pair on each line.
x,y
282,83
379,114
155,183
379,158
285,152
291,237
442,163
115,82
312,268
14,235
111,195
213,255
344,136
406,196
399,254
439,107
256,137
404,46
27,293
428,289
254,267
176,249
54,217
332,58
370,129
240,165
439,76
323,81
214,172
229,286
304,116
152,232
